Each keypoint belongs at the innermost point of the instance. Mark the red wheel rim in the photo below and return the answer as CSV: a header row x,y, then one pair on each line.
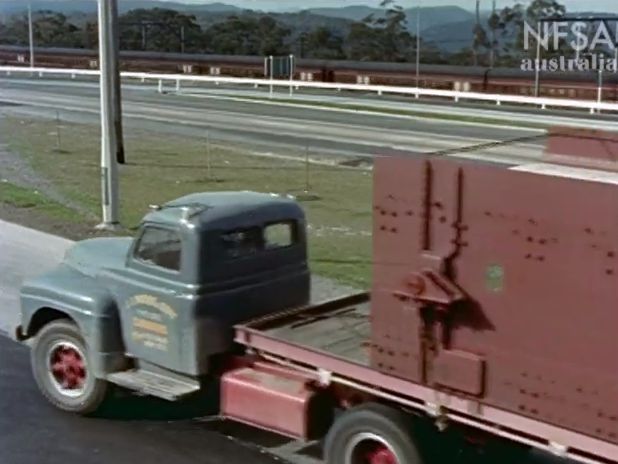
x,y
369,448
67,369
381,455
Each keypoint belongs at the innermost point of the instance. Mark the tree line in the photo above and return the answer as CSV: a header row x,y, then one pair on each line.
x,y
380,37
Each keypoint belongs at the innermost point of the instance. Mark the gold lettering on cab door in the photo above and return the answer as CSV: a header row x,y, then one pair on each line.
x,y
150,322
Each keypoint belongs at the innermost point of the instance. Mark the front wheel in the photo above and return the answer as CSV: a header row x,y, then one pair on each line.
x,y
372,434
62,369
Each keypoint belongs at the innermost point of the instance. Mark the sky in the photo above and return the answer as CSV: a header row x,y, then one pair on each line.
x,y
610,6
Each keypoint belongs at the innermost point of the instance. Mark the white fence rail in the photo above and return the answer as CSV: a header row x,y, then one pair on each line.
x,y
178,79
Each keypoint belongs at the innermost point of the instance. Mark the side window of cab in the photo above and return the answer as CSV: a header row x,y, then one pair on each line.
x,y
159,247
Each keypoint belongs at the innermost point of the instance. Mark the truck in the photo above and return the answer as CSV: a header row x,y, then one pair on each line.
x,y
491,316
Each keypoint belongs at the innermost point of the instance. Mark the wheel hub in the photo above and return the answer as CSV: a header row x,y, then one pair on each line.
x,y
370,448
67,368
381,455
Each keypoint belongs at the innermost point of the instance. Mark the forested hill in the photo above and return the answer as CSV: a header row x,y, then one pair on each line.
x,y
90,6
448,34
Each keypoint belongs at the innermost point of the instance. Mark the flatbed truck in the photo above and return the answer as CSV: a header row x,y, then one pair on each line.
x,y
492,315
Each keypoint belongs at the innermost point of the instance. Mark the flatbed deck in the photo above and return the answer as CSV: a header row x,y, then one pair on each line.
x,y
331,341
343,332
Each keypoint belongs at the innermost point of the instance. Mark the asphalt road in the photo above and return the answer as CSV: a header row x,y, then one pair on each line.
x,y
265,126
134,430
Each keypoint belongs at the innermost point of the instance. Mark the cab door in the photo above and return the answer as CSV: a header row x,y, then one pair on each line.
x,y
153,298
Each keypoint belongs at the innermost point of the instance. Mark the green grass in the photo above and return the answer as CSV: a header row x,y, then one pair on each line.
x,y
163,167
394,111
25,198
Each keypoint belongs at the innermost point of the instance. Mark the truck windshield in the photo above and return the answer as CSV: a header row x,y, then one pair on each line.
x,y
160,247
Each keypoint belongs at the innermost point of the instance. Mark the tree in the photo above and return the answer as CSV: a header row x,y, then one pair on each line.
x,y
51,29
362,42
159,29
54,30
322,43
382,38
480,40
511,25
90,34
248,35
494,26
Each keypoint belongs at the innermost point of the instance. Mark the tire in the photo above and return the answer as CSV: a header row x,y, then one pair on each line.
x,y
371,434
61,367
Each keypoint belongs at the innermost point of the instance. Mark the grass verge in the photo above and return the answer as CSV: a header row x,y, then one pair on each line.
x,y
162,167
28,199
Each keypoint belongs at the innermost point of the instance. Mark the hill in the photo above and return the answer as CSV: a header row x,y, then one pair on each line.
x,y
352,12
438,16
430,16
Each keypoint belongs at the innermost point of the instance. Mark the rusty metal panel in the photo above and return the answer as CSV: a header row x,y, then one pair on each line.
x,y
276,399
460,371
396,324
536,257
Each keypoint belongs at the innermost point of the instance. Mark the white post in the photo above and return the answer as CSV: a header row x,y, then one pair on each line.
x,y
31,34
291,75
109,167
600,90
272,74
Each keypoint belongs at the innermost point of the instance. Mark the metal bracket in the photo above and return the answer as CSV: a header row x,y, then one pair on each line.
x,y
558,449
325,378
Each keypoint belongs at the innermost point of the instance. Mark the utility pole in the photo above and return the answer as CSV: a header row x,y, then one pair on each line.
x,y
109,165
492,53
144,36
117,94
537,67
303,39
476,32
182,39
418,45
31,34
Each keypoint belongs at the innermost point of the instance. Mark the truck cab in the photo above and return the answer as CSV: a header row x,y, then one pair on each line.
x,y
166,301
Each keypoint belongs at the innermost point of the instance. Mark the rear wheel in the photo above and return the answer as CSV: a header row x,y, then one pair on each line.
x,y
372,434
62,369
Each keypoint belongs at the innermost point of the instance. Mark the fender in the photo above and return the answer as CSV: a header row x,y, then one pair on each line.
x,y
79,298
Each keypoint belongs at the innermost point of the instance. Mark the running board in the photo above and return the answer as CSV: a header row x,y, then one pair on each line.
x,y
152,384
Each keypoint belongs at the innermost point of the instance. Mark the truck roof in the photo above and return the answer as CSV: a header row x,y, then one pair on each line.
x,y
216,210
